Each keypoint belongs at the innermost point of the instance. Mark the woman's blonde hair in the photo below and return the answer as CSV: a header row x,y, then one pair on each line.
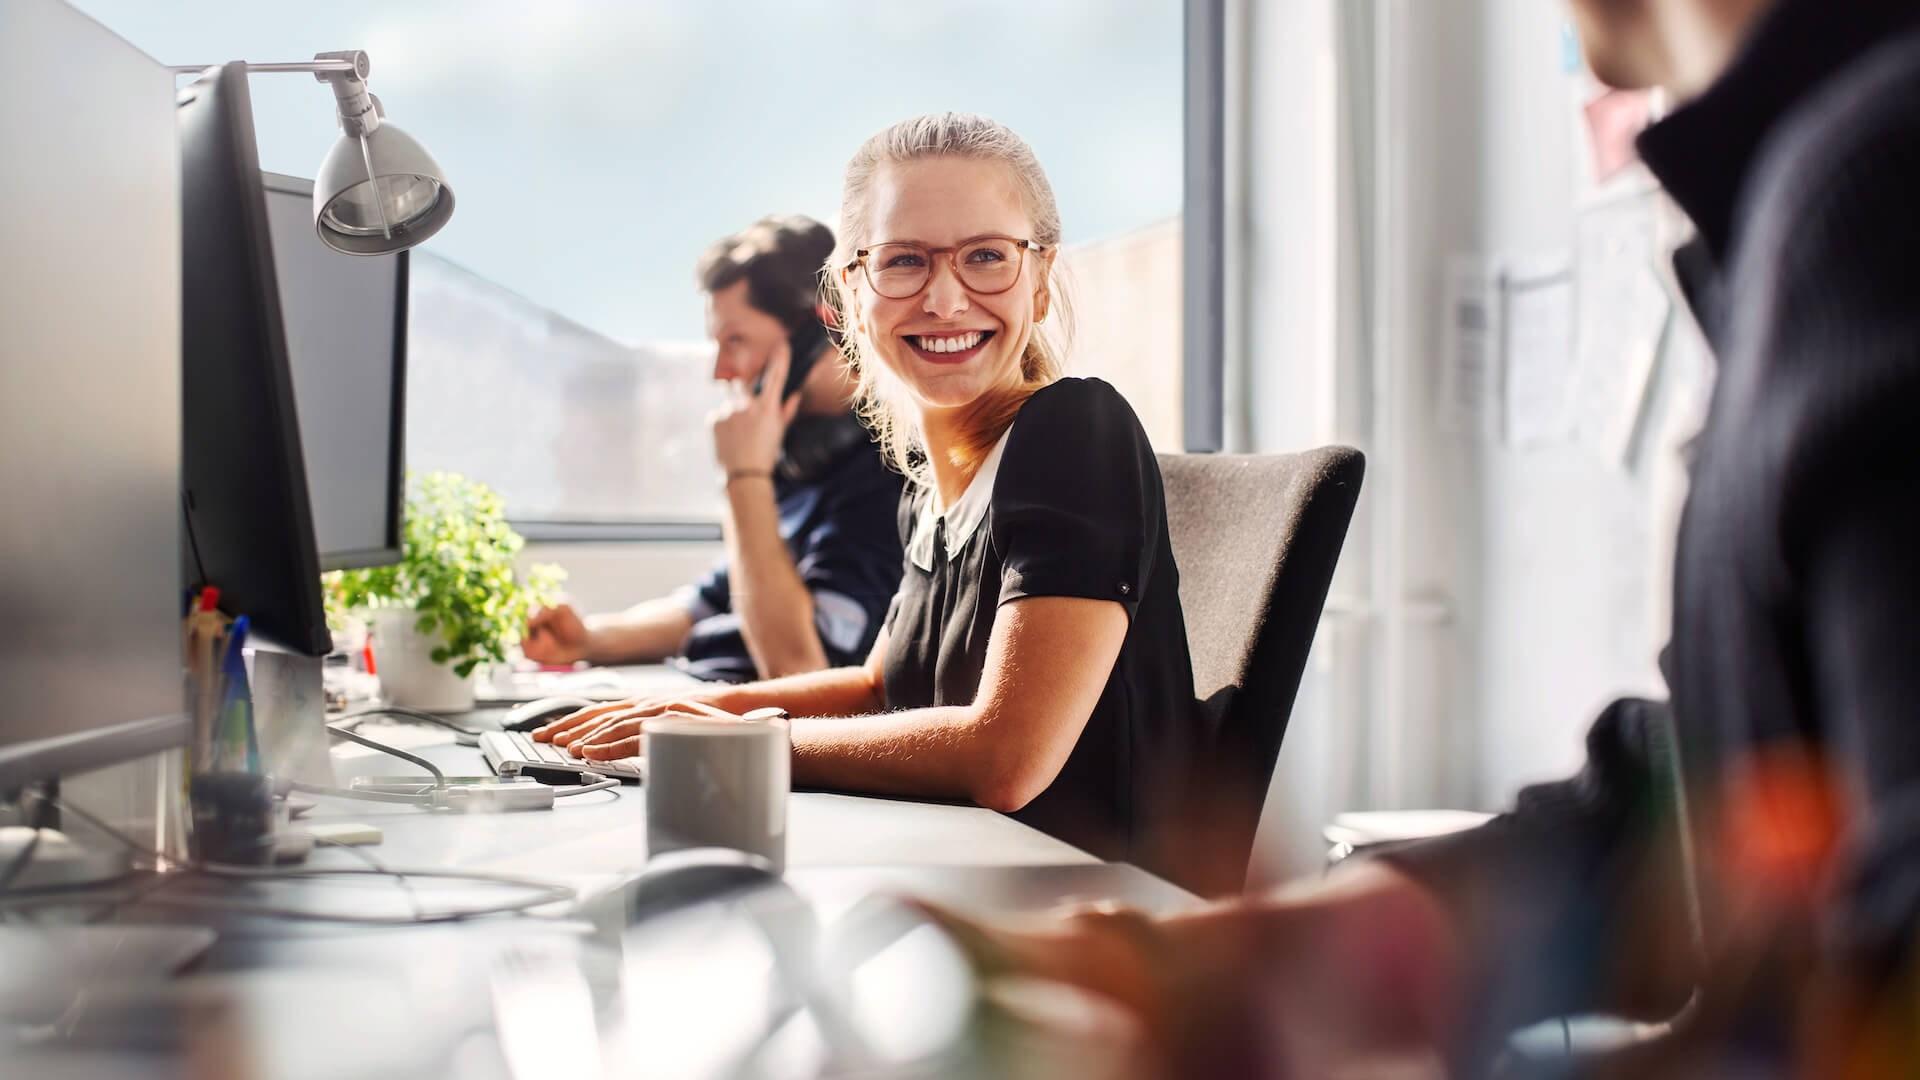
x,y
963,135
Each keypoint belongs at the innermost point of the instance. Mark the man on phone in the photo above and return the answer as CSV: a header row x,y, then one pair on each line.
x,y
813,547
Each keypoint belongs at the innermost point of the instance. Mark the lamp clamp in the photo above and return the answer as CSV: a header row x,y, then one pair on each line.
x,y
359,111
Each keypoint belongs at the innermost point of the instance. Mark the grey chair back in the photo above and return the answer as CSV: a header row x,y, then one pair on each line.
x,y
1256,538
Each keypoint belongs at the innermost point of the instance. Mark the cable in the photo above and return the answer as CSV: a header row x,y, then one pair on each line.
x,y
411,714
25,859
193,545
604,783
545,892
401,879
439,778
548,894
21,861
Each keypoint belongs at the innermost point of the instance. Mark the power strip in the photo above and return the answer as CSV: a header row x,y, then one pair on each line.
x,y
463,794
496,798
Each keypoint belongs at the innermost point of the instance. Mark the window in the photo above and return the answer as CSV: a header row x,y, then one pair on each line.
x,y
596,149
570,426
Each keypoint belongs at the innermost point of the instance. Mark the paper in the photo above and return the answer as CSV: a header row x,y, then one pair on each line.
x,y
1468,400
1536,298
1623,312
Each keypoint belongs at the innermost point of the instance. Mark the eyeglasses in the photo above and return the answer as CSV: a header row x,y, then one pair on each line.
x,y
986,265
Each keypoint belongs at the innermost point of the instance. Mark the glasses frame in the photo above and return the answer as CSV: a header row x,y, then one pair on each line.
x,y
952,253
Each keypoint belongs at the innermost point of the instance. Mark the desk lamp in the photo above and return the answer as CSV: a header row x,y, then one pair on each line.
x,y
378,191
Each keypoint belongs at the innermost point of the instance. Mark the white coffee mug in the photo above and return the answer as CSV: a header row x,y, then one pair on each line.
x,y
718,783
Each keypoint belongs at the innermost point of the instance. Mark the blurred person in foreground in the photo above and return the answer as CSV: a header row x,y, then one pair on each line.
x,y
813,555
1741,863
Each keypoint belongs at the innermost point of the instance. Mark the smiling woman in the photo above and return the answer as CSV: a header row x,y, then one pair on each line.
x,y
1034,659
905,186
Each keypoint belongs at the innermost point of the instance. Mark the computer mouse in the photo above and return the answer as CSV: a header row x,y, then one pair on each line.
x,y
676,879
544,711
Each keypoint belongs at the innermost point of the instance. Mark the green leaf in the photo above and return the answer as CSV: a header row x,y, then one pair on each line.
x,y
456,572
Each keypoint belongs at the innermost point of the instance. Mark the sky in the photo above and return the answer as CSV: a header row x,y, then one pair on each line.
x,y
595,148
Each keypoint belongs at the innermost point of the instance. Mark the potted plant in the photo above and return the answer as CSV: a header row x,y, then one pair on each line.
x,y
452,601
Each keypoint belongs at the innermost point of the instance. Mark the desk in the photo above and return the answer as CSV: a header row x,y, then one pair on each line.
x,y
972,857
323,1001
600,833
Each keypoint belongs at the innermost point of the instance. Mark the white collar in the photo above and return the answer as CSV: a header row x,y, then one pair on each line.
x,y
963,517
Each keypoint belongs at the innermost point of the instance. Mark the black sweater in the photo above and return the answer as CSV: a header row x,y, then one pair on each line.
x,y
1796,617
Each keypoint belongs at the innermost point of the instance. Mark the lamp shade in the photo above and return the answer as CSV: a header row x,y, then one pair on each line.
x,y
379,192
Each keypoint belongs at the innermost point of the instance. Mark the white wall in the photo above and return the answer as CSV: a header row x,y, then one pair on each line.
x,y
1126,296
608,577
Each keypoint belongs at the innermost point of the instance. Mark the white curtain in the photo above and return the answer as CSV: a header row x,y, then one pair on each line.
x,y
1335,220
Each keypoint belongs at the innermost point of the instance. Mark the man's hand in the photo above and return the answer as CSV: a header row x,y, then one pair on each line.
x,y
557,635
748,429
1359,973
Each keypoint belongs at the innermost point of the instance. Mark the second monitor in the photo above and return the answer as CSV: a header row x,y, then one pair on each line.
x,y
346,327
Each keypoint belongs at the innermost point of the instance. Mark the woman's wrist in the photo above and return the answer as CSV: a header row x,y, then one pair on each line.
x,y
727,697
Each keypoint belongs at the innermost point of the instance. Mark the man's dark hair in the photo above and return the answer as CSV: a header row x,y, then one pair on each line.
x,y
779,257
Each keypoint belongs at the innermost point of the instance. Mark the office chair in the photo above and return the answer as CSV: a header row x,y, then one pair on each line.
x,y
1256,539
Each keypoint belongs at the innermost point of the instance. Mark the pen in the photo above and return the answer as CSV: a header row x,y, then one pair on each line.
x,y
236,709
203,629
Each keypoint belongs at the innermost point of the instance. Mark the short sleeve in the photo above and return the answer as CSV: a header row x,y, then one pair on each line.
x,y
711,595
1077,504
850,560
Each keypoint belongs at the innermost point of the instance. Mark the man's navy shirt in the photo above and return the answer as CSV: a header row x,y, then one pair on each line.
x,y
839,525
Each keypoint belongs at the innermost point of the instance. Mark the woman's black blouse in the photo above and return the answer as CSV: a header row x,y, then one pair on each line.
x,y
1076,510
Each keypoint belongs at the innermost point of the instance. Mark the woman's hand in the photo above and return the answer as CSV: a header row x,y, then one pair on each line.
x,y
612,731
577,725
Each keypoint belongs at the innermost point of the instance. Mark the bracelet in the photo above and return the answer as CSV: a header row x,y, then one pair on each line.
x,y
748,474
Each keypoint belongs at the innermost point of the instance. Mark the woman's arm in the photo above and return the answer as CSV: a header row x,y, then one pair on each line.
x,y
612,731
1048,659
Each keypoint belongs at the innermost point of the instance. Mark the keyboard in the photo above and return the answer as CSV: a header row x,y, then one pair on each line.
x,y
596,684
505,751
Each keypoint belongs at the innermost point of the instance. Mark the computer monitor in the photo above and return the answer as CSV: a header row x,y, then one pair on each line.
x,y
346,325
243,476
90,417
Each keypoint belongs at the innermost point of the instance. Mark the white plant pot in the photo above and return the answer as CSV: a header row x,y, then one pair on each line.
x,y
408,675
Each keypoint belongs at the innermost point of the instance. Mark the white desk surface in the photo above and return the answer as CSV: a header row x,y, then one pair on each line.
x,y
602,832
307,1001
892,842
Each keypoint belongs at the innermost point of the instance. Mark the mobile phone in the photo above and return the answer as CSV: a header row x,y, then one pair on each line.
x,y
805,344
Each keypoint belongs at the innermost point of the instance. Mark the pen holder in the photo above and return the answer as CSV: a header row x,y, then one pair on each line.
x,y
232,819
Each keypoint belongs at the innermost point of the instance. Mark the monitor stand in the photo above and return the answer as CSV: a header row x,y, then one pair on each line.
x,y
290,714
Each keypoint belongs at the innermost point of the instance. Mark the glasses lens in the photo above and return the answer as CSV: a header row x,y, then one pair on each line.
x,y
897,270
989,266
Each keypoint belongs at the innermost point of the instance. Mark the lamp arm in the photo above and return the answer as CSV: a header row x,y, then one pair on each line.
x,y
318,67
347,72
